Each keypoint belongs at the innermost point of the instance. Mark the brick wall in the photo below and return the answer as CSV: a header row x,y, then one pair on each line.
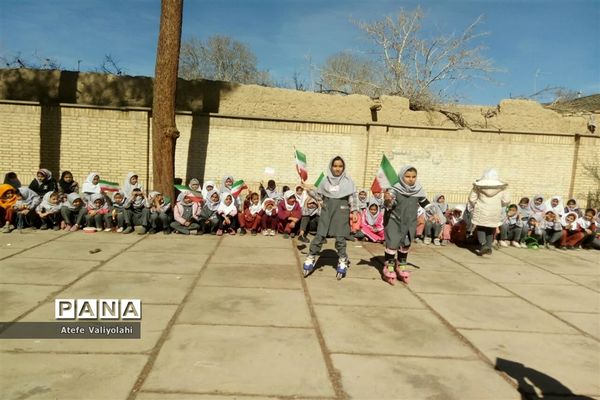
x,y
115,141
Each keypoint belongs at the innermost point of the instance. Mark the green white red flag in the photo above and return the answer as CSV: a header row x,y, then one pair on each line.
x,y
301,165
237,188
107,186
386,176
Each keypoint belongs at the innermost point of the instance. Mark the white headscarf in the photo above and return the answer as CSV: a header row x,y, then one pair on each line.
x,y
336,187
213,205
273,210
489,179
88,185
559,209
563,220
362,204
254,209
286,196
302,198
372,219
541,209
309,212
205,188
442,206
71,197
404,189
97,196
128,187
227,209
49,207
225,188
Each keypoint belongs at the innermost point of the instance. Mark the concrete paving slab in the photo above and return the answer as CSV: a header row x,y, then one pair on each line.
x,y
249,360
563,264
246,306
135,261
436,263
447,282
420,378
517,273
75,251
570,360
494,313
388,332
149,288
68,376
558,297
589,281
253,276
587,322
16,299
37,271
154,321
265,242
27,238
359,292
464,255
187,396
100,237
5,253
256,254
176,244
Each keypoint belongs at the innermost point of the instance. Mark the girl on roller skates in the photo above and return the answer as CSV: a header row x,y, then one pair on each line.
x,y
402,203
337,195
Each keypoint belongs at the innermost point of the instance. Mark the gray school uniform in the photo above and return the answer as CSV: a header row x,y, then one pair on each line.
x,y
401,226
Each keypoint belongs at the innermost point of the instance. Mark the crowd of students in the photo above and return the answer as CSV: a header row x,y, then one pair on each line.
x,y
396,217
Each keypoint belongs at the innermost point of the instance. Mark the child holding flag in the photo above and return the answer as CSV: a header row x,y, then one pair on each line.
x,y
400,230
337,193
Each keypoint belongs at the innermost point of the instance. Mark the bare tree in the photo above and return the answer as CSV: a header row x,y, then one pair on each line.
x,y
425,70
34,61
164,130
220,58
110,65
349,73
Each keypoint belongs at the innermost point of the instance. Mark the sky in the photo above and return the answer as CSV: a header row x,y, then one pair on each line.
x,y
534,44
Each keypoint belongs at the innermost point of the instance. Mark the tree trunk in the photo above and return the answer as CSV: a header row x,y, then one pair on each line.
x,y
164,130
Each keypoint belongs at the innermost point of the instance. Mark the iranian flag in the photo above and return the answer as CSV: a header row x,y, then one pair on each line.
x,y
386,176
107,186
320,180
182,188
237,188
301,165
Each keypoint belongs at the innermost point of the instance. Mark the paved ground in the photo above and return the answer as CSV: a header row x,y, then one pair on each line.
x,y
232,317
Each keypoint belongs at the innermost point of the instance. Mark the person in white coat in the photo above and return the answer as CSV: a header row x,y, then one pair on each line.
x,y
487,198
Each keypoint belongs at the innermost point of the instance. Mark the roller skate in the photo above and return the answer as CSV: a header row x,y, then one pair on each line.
x,y
341,269
388,273
309,265
402,272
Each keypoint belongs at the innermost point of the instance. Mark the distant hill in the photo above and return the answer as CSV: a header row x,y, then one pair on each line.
x,y
588,103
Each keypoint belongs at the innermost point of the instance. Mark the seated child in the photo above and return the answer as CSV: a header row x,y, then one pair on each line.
x,y
209,219
186,213
66,185
458,226
555,204
8,198
538,208
270,192
310,218
249,218
49,211
288,215
572,207
268,217
551,229
73,212
27,201
378,197
589,227
159,217
511,228
355,223
371,223
96,210
43,182
119,215
572,234
91,186
227,213
138,211
434,221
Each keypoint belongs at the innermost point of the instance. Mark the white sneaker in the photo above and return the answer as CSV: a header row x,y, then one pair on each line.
x,y
436,241
98,229
120,230
515,244
265,232
427,240
108,230
503,243
272,232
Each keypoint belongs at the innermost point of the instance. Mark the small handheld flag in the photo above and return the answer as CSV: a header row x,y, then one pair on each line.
x,y
319,180
237,188
107,186
301,165
386,176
